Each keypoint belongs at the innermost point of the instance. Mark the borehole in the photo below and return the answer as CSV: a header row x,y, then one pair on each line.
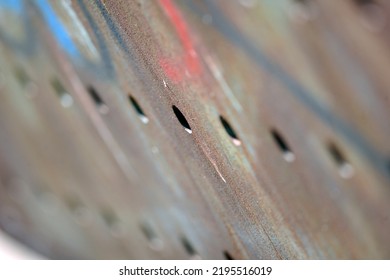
x,y
189,248
112,222
282,144
100,104
227,255
182,119
66,99
230,131
22,77
346,170
154,242
78,210
138,109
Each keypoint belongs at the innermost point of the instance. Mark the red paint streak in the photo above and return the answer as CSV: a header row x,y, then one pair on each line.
x,y
172,68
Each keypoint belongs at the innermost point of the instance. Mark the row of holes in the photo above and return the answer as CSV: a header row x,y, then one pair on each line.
x,y
152,237
14,189
343,165
345,169
109,217
157,244
67,100
154,242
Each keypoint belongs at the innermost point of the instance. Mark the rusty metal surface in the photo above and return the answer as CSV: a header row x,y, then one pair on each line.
x,y
196,129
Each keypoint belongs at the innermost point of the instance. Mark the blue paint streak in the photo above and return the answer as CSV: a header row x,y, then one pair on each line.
x,y
102,46
15,6
57,28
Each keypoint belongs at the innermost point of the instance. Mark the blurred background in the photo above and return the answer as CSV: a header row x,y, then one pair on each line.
x,y
183,129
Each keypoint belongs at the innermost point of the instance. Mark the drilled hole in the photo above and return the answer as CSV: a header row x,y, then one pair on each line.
x,y
29,87
22,77
182,119
227,256
283,146
100,104
230,131
154,242
138,109
345,168
109,217
78,210
189,248
65,98
112,222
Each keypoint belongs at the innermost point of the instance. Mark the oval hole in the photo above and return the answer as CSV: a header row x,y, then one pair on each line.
x,y
66,99
345,168
189,248
100,104
182,119
77,209
230,131
138,109
288,155
112,222
22,77
227,256
154,242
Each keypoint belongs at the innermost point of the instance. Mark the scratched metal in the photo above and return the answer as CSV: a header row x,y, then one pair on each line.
x,y
196,129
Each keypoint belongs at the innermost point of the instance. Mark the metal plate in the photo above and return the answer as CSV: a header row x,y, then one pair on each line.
x,y
196,129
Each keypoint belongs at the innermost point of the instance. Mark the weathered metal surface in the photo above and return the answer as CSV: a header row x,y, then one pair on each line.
x,y
255,129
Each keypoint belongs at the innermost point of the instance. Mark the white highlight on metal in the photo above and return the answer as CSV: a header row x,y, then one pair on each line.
x,y
236,142
82,34
155,150
144,119
207,154
225,87
66,100
188,130
346,171
289,156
